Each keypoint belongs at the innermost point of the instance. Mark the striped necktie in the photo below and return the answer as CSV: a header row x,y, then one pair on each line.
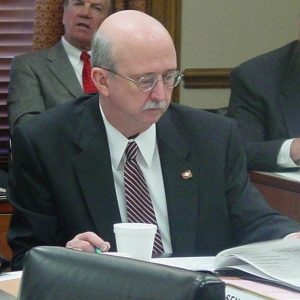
x,y
87,82
138,201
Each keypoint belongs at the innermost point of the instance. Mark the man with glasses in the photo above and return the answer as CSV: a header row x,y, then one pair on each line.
x,y
129,154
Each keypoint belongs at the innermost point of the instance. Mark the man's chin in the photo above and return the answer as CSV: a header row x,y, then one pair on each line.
x,y
84,38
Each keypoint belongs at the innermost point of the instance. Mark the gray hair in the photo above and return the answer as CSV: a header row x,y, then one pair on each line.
x,y
102,51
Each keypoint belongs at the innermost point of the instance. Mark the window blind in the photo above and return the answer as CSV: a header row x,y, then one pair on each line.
x,y
16,31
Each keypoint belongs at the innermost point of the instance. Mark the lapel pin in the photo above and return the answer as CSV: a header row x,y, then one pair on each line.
x,y
187,174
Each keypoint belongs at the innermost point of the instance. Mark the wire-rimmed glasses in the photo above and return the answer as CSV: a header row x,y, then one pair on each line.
x,y
148,81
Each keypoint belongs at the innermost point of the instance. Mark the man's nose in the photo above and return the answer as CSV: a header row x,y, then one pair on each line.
x,y
85,10
159,90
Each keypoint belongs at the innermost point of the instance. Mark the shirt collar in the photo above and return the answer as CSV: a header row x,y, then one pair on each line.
x,y
117,142
72,51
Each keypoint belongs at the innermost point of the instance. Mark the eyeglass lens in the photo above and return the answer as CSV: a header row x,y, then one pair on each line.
x,y
170,80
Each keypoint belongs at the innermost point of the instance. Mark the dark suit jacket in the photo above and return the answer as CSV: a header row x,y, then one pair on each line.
x,y
61,182
265,102
41,80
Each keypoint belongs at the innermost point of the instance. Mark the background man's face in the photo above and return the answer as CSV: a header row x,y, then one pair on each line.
x,y
82,18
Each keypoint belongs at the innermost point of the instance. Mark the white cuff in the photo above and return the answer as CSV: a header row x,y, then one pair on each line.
x,y
284,159
293,236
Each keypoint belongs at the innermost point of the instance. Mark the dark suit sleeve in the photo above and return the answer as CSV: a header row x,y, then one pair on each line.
x,y
252,219
249,110
34,220
25,96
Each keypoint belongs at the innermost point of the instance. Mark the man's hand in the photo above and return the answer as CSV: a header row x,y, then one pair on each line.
x,y
88,242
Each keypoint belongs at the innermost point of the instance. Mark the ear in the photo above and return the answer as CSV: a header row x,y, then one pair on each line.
x,y
99,77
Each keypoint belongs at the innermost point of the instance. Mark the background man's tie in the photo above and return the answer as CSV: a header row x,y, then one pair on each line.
x,y
138,201
87,82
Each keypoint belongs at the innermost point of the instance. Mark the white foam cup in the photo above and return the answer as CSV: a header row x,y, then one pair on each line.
x,y
135,239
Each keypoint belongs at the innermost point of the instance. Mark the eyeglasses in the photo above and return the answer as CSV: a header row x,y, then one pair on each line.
x,y
147,82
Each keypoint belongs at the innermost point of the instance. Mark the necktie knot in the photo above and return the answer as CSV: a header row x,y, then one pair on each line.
x,y
85,57
131,151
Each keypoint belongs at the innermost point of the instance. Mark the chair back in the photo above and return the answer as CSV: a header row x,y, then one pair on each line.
x,y
52,273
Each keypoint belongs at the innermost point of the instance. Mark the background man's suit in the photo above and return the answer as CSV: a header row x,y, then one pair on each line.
x,y
265,102
40,80
62,184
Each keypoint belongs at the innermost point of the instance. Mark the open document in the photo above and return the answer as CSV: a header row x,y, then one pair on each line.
x,y
273,261
276,261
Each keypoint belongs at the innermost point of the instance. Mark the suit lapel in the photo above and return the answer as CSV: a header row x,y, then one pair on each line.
x,y
93,169
181,188
289,100
62,69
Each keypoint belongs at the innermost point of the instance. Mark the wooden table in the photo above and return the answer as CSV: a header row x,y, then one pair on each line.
x,y
282,193
5,216
9,289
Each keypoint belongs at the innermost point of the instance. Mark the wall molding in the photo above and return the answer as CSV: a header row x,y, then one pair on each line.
x,y
206,78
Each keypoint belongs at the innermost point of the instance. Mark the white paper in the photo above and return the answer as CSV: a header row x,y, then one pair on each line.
x,y
279,260
205,263
10,275
290,175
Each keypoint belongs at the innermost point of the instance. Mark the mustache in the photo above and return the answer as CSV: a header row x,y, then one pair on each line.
x,y
154,105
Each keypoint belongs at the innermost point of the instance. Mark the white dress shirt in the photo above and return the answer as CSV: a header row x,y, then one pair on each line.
x,y
149,162
74,57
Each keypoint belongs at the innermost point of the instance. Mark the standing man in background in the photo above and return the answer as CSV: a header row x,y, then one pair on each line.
x,y
265,102
40,80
